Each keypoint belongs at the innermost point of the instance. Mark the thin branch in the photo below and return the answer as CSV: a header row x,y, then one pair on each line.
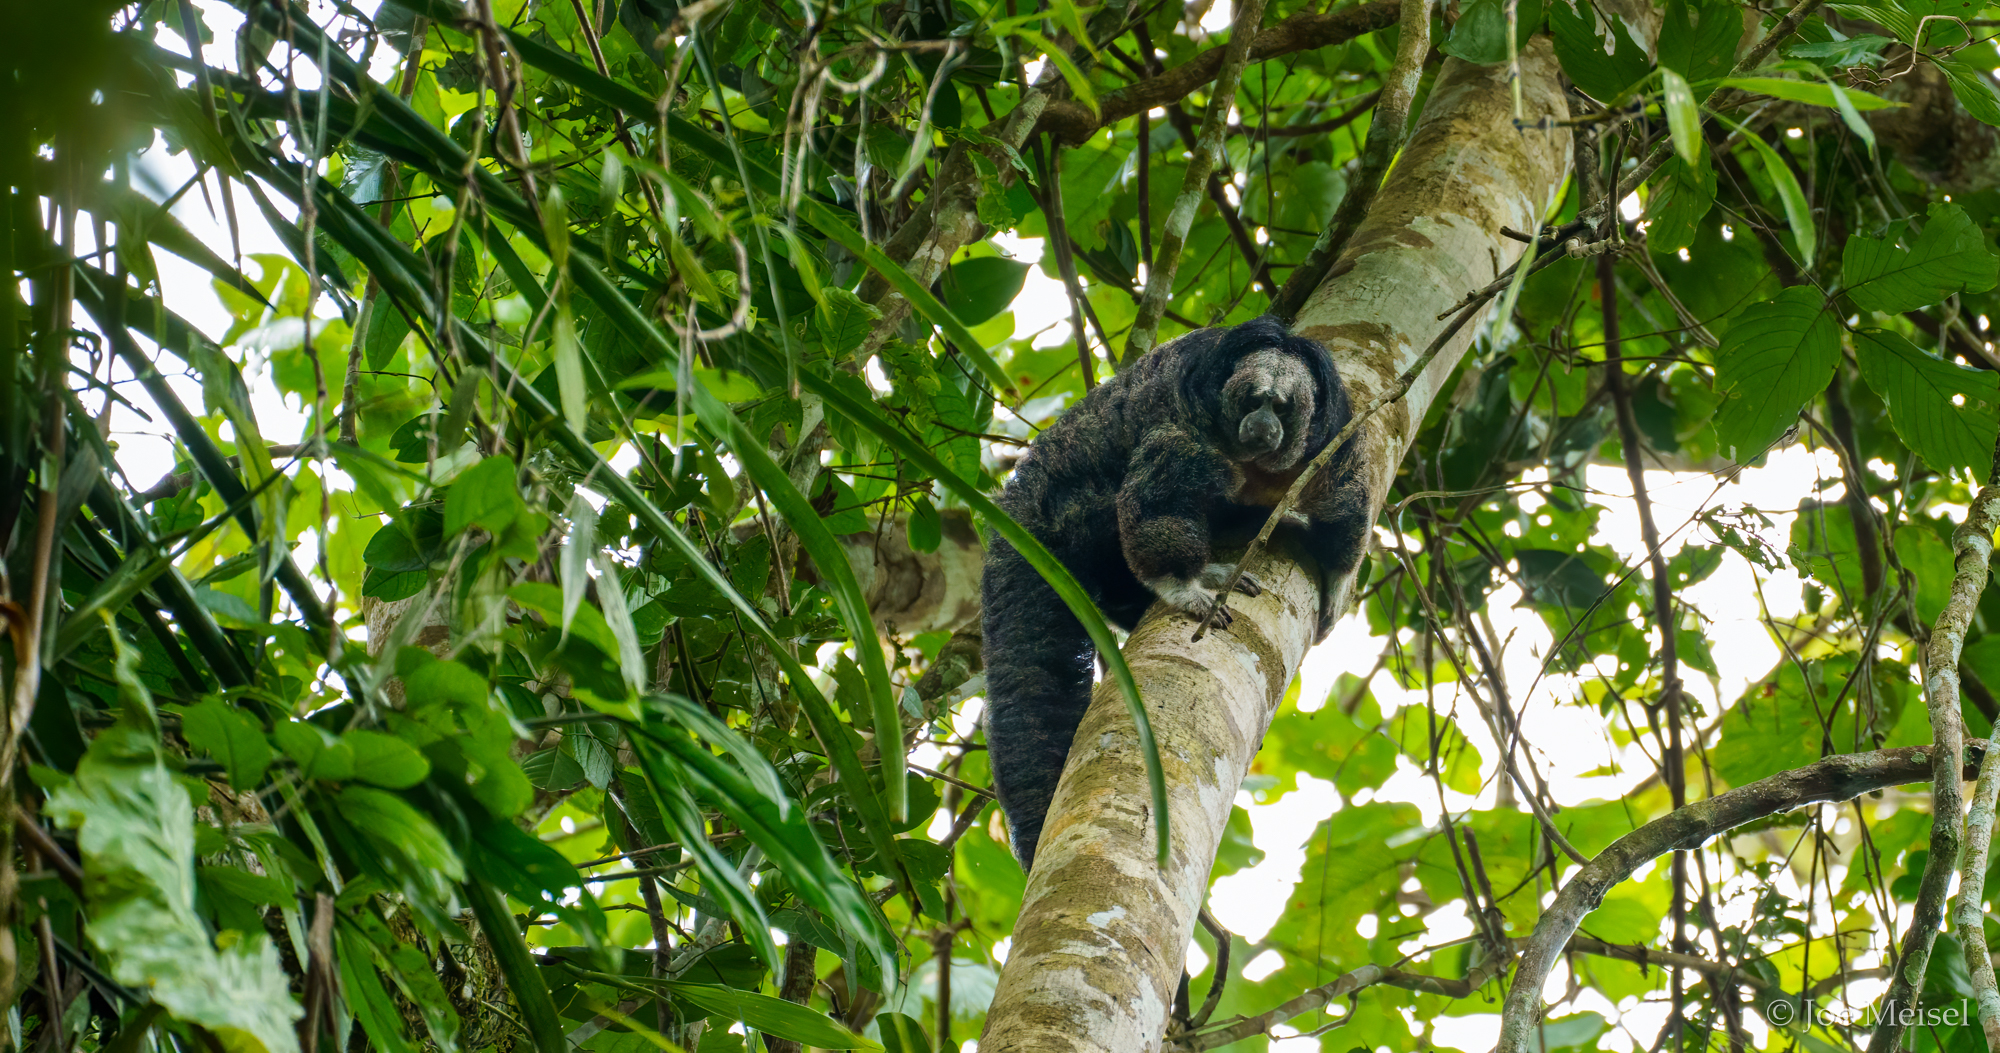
x,y
1970,916
1254,257
1387,132
1073,122
1052,209
1838,778
1672,767
1972,545
1373,975
1207,155
1362,104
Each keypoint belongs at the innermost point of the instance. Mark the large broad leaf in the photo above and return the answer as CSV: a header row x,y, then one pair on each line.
x,y
979,289
1429,737
1682,195
222,731
1699,38
1974,88
1945,412
135,828
1480,34
1777,355
1949,256
1581,47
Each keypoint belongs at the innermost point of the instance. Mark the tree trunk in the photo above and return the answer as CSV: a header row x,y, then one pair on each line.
x,y
1103,932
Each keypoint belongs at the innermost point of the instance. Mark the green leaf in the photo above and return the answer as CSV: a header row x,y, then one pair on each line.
x,y
618,618
318,755
222,731
1944,412
1812,93
135,831
723,384
1079,81
1798,212
1480,34
367,999
577,551
1683,116
574,392
1973,87
845,320
386,329
978,289
773,1016
391,825
1682,195
484,496
1699,39
926,526
385,760
1580,47
1775,357
1950,256
524,980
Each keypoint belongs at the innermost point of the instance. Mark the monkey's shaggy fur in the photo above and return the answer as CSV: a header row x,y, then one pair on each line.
x,y
1200,437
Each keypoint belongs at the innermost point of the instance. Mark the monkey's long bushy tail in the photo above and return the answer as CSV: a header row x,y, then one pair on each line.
x,y
1038,663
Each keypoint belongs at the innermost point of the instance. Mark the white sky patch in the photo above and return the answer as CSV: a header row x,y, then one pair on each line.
x,y
1219,16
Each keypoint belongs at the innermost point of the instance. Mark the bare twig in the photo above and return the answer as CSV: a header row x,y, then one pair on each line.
x,y
1052,208
1672,767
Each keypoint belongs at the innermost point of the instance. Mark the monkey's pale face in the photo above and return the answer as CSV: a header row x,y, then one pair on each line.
x,y
1268,406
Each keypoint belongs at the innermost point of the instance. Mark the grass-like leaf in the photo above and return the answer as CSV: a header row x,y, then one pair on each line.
x,y
1039,557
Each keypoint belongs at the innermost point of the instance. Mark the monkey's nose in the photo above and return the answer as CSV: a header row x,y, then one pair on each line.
x,y
1260,432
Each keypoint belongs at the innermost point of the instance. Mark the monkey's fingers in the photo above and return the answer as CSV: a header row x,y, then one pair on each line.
x,y
1212,613
1248,585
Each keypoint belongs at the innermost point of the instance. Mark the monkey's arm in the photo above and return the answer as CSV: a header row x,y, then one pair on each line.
x,y
1170,482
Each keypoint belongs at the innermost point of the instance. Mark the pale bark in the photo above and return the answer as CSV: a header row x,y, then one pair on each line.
x,y
1972,543
913,592
1103,932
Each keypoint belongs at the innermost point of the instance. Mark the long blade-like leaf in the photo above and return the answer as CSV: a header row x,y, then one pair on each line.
x,y
1039,557
837,574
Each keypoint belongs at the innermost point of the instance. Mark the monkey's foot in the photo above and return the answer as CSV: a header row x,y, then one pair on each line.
x,y
1215,575
1196,599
